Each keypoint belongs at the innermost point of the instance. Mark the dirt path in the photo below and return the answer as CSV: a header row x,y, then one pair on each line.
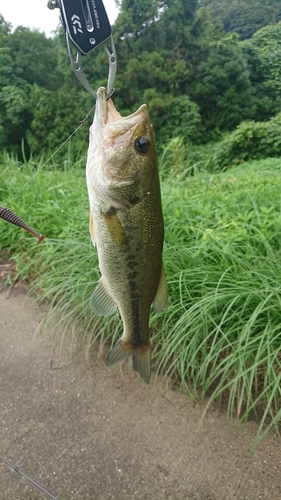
x,y
92,433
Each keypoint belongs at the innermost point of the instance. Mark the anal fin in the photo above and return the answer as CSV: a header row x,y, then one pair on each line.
x,y
92,229
101,302
161,298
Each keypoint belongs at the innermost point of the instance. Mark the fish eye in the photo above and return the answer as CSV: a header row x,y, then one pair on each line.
x,y
142,144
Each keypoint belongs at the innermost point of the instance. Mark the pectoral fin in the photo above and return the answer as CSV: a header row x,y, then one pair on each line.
x,y
102,303
115,228
161,299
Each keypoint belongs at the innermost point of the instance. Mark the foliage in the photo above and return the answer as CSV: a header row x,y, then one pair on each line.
x,y
198,82
61,121
27,58
263,53
245,17
157,45
180,117
158,64
14,114
223,91
220,335
251,140
34,58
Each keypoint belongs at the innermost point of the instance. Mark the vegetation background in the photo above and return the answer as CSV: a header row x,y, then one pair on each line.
x,y
211,75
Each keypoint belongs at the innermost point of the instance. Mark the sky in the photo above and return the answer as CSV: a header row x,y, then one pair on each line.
x,y
35,14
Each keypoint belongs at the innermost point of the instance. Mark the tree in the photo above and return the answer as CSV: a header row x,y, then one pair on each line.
x,y
13,94
5,30
158,56
197,81
56,114
35,58
245,17
263,54
27,57
223,90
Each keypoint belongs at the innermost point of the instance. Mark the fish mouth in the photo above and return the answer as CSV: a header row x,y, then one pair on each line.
x,y
105,109
110,121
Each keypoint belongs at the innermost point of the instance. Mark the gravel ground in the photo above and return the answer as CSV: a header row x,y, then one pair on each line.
x,y
84,431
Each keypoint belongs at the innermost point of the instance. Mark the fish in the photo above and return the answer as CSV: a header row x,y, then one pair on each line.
x,y
126,226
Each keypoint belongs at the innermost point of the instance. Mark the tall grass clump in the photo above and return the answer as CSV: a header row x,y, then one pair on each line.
x,y
220,337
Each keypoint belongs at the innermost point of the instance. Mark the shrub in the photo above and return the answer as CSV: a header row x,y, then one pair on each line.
x,y
250,141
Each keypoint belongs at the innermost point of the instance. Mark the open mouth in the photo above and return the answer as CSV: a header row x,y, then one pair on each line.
x,y
107,114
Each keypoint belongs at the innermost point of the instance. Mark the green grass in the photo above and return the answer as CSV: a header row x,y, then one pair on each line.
x,y
220,338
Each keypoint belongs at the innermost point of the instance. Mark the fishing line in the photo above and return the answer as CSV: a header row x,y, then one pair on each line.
x,y
55,152
28,478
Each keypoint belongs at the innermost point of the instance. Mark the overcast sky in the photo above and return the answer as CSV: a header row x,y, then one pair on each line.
x,y
35,14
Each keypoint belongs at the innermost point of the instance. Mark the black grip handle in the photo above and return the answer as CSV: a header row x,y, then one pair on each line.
x,y
86,22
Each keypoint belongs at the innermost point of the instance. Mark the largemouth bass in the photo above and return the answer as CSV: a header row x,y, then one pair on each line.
x,y
126,225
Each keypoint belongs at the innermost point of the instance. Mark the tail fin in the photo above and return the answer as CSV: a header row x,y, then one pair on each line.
x,y
141,362
141,358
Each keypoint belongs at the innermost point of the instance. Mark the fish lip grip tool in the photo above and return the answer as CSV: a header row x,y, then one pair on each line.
x,y
87,27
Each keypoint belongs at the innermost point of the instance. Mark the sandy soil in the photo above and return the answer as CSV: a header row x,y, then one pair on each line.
x,y
89,432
